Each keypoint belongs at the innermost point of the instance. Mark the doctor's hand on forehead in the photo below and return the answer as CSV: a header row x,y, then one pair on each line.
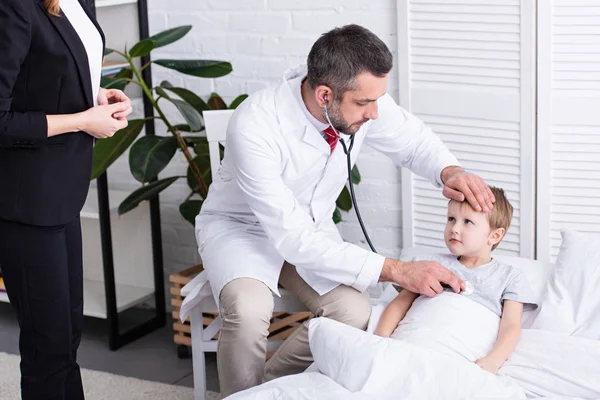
x,y
424,277
460,185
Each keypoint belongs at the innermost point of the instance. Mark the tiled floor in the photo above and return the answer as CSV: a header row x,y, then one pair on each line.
x,y
153,357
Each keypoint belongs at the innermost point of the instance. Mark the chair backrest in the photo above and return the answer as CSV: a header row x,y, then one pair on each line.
x,y
215,124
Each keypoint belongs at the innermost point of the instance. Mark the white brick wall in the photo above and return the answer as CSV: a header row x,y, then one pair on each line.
x,y
261,38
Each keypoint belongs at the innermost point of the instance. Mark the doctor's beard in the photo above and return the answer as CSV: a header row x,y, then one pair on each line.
x,y
338,121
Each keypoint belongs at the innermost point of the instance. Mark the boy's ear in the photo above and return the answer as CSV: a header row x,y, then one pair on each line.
x,y
496,236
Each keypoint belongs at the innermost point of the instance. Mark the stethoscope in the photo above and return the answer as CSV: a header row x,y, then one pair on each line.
x,y
347,151
469,287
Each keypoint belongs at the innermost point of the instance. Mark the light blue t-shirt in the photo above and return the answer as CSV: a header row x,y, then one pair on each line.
x,y
492,283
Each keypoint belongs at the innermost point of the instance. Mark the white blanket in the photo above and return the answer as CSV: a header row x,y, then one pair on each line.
x,y
306,386
450,323
440,338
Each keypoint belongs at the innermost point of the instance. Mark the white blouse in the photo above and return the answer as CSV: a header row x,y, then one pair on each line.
x,y
91,39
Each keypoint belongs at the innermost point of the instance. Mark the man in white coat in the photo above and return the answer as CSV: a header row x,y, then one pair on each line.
x,y
267,220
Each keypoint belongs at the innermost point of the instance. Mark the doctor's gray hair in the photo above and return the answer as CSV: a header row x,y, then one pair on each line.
x,y
340,55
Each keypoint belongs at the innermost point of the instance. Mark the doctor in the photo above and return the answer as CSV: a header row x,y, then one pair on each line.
x,y
267,220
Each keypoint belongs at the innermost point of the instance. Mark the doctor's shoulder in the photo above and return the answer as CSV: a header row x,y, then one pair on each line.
x,y
256,113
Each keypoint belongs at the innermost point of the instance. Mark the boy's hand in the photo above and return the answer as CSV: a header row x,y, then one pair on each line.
x,y
489,364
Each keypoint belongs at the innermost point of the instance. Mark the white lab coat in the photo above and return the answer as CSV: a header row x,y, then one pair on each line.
x,y
277,188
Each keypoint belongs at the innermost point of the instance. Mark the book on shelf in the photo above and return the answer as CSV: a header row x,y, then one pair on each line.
x,y
110,68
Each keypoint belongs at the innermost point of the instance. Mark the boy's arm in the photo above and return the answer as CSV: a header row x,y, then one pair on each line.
x,y
508,336
394,313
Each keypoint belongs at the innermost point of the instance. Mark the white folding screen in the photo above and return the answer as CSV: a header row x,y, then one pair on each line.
x,y
568,121
467,68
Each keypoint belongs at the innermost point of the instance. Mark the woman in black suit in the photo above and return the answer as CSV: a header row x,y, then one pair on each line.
x,y
51,109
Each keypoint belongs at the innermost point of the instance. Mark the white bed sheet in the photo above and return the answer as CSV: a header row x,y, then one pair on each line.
x,y
305,386
546,365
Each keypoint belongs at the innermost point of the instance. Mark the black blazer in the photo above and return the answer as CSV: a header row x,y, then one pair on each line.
x,y
43,70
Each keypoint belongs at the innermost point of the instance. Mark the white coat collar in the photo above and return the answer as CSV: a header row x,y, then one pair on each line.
x,y
290,114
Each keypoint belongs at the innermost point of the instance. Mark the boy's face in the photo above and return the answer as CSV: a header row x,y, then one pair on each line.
x,y
468,231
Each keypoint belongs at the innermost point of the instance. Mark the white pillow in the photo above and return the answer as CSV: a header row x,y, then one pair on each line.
x,y
571,303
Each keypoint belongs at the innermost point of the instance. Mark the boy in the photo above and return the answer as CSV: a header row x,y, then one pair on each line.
x,y
471,236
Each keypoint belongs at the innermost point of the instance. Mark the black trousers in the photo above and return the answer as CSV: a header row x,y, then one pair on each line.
x,y
43,274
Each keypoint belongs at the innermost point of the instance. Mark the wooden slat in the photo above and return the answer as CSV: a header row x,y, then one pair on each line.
x,y
176,303
179,339
182,327
294,318
183,277
175,315
175,290
284,334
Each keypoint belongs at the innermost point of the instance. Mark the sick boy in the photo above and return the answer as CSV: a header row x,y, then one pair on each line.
x,y
471,236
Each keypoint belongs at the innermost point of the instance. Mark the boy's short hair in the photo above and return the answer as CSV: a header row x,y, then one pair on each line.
x,y
502,213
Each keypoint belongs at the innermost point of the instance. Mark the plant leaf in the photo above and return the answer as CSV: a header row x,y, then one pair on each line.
x,y
190,209
142,48
216,102
200,144
192,117
190,97
106,151
199,68
238,100
170,35
113,83
107,51
337,216
355,175
201,149
186,128
203,163
161,92
344,201
146,192
150,155
119,81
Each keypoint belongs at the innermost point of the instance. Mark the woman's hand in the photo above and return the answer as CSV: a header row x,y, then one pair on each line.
x,y
114,96
99,121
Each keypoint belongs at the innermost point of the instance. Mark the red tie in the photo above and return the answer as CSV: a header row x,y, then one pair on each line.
x,y
332,138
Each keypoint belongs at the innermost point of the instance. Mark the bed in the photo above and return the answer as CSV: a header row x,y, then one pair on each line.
x,y
556,358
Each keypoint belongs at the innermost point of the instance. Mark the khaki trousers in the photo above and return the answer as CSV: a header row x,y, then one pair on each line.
x,y
246,307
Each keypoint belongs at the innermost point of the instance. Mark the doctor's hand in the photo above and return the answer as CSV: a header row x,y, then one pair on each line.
x,y
424,277
460,185
114,96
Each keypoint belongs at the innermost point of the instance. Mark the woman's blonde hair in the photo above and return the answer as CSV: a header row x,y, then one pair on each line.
x,y
52,6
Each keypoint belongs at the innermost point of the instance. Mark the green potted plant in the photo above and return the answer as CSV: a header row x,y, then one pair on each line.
x,y
150,154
